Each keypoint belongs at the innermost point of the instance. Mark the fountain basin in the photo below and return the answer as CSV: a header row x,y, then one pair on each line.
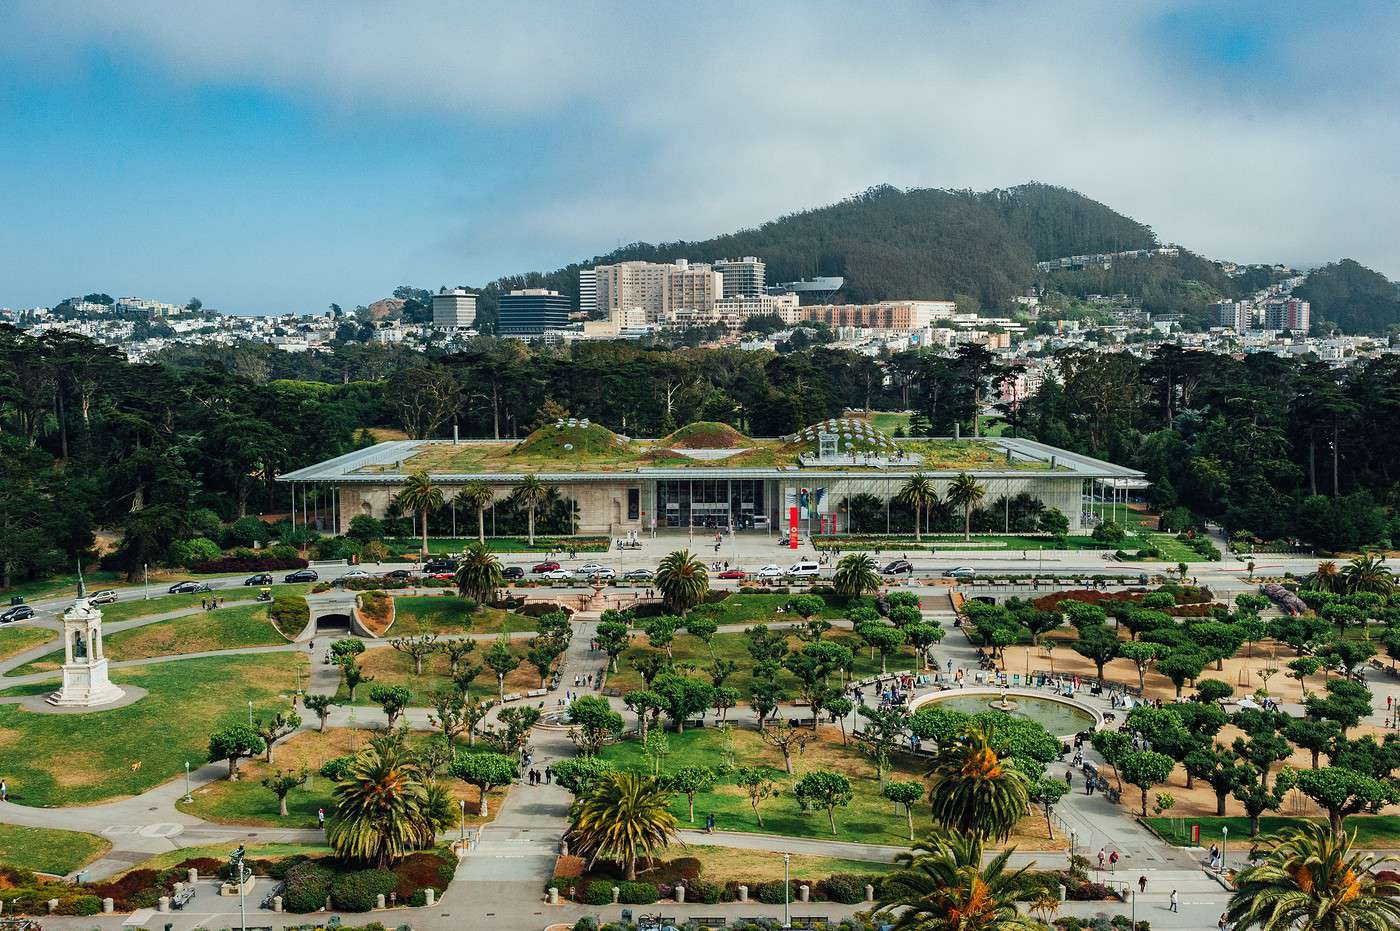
x,y
1062,717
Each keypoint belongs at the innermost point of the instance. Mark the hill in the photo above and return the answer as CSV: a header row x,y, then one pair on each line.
x,y
1355,298
889,243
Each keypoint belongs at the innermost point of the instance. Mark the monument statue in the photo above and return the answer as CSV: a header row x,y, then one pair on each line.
x,y
85,682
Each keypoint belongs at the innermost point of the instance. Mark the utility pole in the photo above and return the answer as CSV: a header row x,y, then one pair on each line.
x,y
787,897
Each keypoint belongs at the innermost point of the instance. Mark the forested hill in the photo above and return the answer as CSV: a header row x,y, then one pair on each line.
x,y
888,243
1355,298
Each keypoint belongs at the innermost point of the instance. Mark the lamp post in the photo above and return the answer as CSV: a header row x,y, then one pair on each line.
x,y
787,898
250,714
462,831
146,581
1224,845
188,796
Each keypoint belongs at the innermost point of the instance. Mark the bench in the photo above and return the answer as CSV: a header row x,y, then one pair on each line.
x,y
809,921
711,922
276,891
183,897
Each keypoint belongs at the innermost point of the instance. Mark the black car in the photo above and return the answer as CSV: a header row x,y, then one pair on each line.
x,y
302,575
398,574
20,613
262,578
440,565
513,572
898,567
189,588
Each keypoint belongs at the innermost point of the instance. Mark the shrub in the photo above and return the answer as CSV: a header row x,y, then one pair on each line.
x,y
358,891
80,905
308,884
598,892
771,893
702,891
290,613
541,608
843,888
251,563
586,923
635,893
336,768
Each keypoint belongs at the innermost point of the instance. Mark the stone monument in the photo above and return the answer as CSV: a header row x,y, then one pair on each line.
x,y
85,682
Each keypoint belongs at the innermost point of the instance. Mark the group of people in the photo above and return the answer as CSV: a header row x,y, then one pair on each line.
x,y
209,604
537,777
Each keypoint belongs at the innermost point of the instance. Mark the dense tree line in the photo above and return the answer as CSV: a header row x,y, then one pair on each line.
x,y
1352,297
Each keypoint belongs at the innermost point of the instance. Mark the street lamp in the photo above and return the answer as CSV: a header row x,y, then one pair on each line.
x,y
188,797
787,899
250,714
146,581
1224,845
462,832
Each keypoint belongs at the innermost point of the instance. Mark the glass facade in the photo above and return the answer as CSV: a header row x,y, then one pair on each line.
x,y
712,503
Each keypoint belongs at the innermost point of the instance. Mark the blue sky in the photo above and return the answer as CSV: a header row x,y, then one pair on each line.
x,y
273,156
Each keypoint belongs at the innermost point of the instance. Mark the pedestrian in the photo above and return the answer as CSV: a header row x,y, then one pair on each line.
x,y
321,817
1113,860
1175,905
1142,883
1069,778
1102,854
548,773
311,646
1224,923
710,824
4,791
1214,855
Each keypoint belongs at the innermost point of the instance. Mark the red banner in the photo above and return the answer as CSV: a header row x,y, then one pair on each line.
x,y
792,528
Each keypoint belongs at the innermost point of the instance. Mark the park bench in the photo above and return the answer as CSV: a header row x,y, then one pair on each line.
x,y
802,722
710,922
183,897
809,921
276,891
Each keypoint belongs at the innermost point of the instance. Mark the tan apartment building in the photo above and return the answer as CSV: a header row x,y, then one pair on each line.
x,y
656,288
885,315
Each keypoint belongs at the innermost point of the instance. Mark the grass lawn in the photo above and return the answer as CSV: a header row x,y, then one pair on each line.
x,y
15,640
390,667
893,545
722,864
890,421
247,801
1376,831
762,608
224,629
542,544
164,861
446,614
734,646
46,850
869,819
1173,550
132,607
78,759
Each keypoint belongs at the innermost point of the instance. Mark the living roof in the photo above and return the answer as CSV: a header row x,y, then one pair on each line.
x,y
579,450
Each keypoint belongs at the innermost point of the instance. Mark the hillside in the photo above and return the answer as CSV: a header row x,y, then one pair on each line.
x,y
888,243
1355,298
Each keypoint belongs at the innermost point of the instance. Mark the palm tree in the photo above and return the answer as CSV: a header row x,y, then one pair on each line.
x,y
973,791
944,885
919,493
622,816
479,495
1368,573
1326,578
855,575
1311,880
479,574
530,494
379,805
682,581
964,492
420,494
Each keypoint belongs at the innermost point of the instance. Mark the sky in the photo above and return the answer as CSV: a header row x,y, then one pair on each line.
x,y
270,156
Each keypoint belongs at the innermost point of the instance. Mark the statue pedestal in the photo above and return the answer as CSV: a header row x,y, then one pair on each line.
x,y
86,685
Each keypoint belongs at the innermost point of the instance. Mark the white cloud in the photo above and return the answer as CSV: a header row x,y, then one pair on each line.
x,y
704,117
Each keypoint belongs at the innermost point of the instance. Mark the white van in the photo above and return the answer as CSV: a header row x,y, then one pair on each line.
x,y
804,570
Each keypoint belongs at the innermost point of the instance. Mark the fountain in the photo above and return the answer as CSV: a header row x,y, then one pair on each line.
x,y
1062,717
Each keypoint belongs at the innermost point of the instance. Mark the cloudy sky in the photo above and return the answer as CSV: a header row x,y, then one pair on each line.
x,y
271,156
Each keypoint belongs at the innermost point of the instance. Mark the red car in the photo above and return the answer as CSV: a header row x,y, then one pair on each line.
x,y
545,567
733,574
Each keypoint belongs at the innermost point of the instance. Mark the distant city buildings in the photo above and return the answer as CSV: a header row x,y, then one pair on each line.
x,y
658,289
531,311
1102,259
885,315
1288,314
741,276
1233,315
142,307
588,291
454,310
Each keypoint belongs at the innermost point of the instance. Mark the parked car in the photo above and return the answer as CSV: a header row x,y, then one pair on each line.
x,y
601,572
898,567
960,572
302,575
733,574
512,572
770,571
106,596
20,613
558,575
545,567
638,575
398,574
442,576
352,574
439,565
262,578
590,568
804,570
189,588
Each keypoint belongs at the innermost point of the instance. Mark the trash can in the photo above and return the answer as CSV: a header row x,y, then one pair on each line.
x,y
626,915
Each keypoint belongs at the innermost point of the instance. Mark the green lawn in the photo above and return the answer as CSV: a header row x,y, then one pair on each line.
x,y
446,614
244,625
255,851
734,647
889,421
61,584
15,640
390,667
248,801
46,850
725,864
894,545
1376,831
763,608
543,544
133,606
79,759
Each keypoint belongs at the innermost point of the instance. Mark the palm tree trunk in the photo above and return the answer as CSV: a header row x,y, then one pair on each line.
x,y
481,525
918,512
531,539
423,526
967,522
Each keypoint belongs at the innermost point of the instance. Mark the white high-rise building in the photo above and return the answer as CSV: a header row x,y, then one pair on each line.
x,y
588,291
741,276
454,310
658,289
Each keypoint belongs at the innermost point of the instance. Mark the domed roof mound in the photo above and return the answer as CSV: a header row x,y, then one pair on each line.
x,y
570,437
706,434
853,437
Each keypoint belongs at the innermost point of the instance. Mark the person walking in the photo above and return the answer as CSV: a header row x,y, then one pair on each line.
x,y
1142,884
1175,904
1113,860
4,791
320,817
710,823
1102,854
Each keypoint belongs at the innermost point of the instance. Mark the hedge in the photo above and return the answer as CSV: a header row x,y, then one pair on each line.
x,y
598,892
636,893
308,885
359,891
